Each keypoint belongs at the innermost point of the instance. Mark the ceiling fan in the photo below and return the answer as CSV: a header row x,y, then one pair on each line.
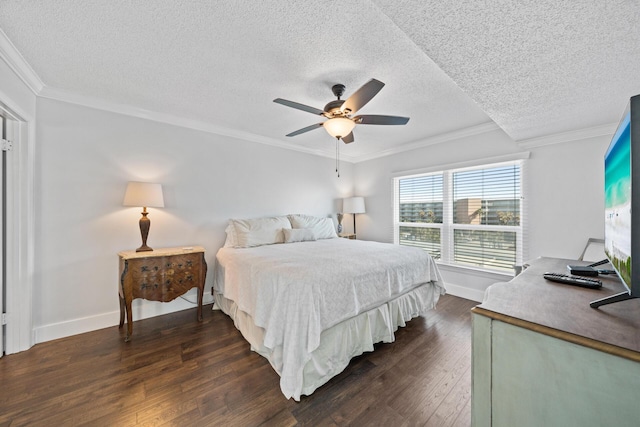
x,y
339,112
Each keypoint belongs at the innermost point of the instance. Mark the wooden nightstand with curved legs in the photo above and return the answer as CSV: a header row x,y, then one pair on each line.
x,y
160,275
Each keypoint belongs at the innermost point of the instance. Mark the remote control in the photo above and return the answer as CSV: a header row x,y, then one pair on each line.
x,y
574,280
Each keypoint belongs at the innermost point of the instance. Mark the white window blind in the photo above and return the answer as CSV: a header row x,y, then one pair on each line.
x,y
471,217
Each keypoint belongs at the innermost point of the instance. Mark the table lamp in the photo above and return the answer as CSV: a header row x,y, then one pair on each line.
x,y
144,194
353,205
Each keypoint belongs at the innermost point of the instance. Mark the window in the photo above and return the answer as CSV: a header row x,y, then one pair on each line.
x,y
470,217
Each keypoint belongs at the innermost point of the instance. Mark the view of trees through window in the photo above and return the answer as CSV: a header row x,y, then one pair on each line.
x,y
468,217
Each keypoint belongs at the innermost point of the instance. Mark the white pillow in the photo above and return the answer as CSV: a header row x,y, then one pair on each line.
x,y
232,239
323,228
304,221
245,233
298,235
251,238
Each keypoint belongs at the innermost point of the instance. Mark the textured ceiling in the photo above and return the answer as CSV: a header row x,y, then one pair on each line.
x,y
535,68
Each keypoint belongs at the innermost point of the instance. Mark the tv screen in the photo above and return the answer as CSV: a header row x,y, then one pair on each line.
x,y
622,204
617,201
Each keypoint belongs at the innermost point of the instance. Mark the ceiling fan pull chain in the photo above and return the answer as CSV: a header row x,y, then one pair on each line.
x,y
338,156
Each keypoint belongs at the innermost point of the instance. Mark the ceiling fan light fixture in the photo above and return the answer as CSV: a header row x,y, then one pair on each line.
x,y
339,127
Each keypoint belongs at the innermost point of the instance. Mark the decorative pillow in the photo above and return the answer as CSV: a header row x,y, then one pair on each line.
x,y
260,237
323,228
293,235
245,233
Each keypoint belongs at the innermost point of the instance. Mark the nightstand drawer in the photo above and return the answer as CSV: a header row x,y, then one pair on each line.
x,y
165,278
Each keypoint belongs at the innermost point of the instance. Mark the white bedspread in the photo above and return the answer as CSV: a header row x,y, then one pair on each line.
x,y
294,291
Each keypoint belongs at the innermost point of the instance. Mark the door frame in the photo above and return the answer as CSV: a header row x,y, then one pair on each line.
x,y
2,230
20,235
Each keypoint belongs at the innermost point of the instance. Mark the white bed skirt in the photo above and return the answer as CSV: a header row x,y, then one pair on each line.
x,y
340,343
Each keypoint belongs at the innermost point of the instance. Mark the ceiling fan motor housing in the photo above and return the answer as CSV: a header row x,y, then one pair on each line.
x,y
333,108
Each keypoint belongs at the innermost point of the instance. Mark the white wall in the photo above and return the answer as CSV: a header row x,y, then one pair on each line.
x,y
565,196
85,158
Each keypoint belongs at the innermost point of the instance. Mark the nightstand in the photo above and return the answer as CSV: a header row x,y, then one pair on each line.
x,y
347,236
160,275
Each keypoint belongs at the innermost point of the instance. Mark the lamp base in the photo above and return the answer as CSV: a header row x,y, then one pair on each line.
x,y
145,223
354,223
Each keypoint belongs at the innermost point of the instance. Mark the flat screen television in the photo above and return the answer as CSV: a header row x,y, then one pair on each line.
x,y
622,204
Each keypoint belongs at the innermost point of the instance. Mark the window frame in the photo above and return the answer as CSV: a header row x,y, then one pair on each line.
x,y
447,227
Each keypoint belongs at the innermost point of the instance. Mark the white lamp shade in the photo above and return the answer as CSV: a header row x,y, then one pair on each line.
x,y
339,127
353,205
143,194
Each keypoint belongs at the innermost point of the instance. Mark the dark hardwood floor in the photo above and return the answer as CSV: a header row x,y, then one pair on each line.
x,y
177,371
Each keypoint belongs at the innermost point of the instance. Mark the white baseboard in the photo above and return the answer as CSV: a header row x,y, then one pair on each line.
x,y
141,309
464,292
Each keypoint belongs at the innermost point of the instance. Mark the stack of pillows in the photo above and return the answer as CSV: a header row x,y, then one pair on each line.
x,y
246,233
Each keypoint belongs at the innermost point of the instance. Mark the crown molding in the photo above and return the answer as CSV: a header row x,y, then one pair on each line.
x,y
14,59
23,70
438,139
511,157
128,110
574,135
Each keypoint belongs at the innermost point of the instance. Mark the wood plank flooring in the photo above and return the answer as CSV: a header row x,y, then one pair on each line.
x,y
177,371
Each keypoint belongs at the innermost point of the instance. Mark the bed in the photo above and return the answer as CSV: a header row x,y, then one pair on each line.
x,y
309,301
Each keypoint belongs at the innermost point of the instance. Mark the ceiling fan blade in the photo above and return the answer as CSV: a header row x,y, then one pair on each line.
x,y
298,106
348,139
374,119
307,129
362,96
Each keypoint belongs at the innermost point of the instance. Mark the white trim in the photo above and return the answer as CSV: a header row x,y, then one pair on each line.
x,y
19,65
525,184
21,230
141,309
574,135
128,110
523,155
438,139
